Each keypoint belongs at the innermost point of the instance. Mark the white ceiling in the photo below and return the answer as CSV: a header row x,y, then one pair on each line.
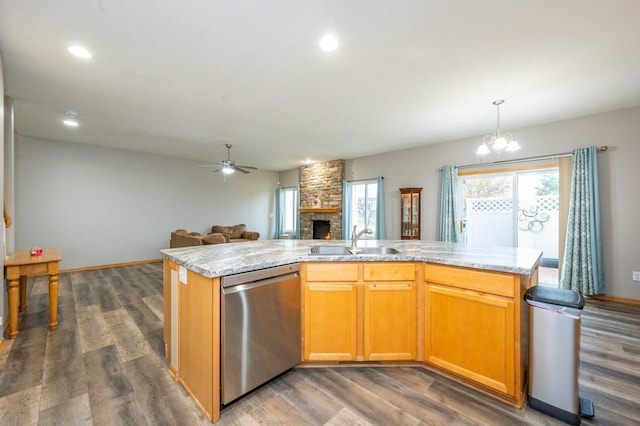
x,y
182,78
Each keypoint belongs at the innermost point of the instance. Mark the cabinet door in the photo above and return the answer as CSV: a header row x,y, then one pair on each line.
x,y
390,321
415,216
330,321
405,215
471,334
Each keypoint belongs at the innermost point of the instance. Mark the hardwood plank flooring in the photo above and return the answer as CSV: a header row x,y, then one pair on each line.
x,y
105,365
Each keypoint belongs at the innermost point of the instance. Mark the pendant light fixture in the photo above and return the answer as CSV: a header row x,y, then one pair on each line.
x,y
498,141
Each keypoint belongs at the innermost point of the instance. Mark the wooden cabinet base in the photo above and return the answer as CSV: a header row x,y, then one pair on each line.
x,y
476,327
466,324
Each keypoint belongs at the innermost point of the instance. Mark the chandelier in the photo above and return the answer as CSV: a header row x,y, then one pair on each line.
x,y
498,141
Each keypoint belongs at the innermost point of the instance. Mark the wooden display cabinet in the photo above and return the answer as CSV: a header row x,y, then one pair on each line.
x,y
410,213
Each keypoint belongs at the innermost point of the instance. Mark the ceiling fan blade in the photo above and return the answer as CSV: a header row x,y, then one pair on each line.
x,y
229,164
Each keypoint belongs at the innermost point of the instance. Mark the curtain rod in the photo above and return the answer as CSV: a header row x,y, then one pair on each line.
x,y
364,180
522,160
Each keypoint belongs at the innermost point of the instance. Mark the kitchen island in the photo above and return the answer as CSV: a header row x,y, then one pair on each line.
x,y
451,307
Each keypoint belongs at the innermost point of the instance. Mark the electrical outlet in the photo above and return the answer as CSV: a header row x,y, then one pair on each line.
x,y
636,276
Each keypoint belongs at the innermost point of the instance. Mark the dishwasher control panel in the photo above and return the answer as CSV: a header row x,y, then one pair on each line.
x,y
260,274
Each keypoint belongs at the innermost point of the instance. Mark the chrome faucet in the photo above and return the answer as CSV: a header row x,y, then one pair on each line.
x,y
356,236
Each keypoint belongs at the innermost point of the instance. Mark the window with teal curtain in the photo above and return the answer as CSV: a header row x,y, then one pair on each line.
x,y
363,206
582,267
449,209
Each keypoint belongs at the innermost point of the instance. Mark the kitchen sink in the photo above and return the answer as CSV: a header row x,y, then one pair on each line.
x,y
336,250
330,250
376,250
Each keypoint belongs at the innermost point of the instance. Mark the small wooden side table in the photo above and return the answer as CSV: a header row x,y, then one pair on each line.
x,y
20,265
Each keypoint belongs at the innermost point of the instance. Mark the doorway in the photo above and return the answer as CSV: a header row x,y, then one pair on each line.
x,y
515,208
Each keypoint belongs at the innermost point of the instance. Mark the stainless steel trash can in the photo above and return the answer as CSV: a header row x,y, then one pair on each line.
x,y
554,351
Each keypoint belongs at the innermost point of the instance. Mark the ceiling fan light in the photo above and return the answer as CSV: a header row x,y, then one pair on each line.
x,y
227,170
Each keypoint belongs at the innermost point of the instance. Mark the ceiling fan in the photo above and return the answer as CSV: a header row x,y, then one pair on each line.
x,y
229,166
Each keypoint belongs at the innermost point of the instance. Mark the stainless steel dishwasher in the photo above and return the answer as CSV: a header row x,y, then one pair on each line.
x,y
260,328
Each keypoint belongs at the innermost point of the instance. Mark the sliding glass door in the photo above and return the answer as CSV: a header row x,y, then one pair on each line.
x,y
488,210
516,208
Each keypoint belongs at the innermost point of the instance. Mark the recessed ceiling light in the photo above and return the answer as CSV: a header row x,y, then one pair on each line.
x,y
80,52
328,43
308,161
71,123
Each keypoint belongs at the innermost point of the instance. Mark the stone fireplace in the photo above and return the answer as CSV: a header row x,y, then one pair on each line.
x,y
321,197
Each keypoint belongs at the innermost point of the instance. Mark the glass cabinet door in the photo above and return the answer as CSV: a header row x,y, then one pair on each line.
x,y
406,216
410,213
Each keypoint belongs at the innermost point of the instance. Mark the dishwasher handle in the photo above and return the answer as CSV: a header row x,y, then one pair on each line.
x,y
249,286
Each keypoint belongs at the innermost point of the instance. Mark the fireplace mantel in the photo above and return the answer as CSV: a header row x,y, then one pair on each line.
x,y
318,210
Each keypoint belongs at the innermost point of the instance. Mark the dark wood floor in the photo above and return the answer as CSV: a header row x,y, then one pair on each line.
x,y
105,365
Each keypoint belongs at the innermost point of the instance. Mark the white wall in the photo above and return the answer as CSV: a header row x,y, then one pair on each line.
x,y
618,169
103,206
289,178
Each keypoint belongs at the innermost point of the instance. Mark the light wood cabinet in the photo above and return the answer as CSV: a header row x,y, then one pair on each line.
x,y
330,311
471,327
192,334
390,321
469,322
389,311
330,322
360,311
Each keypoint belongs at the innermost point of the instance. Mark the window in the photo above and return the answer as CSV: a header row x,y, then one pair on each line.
x,y
287,208
361,208
290,210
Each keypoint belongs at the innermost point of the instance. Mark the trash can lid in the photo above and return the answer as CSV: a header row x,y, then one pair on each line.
x,y
555,296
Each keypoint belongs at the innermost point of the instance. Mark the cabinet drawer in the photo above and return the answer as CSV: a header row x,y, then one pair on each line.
x,y
389,271
332,272
502,284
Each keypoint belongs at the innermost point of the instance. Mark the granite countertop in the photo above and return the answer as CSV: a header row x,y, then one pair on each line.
x,y
219,260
